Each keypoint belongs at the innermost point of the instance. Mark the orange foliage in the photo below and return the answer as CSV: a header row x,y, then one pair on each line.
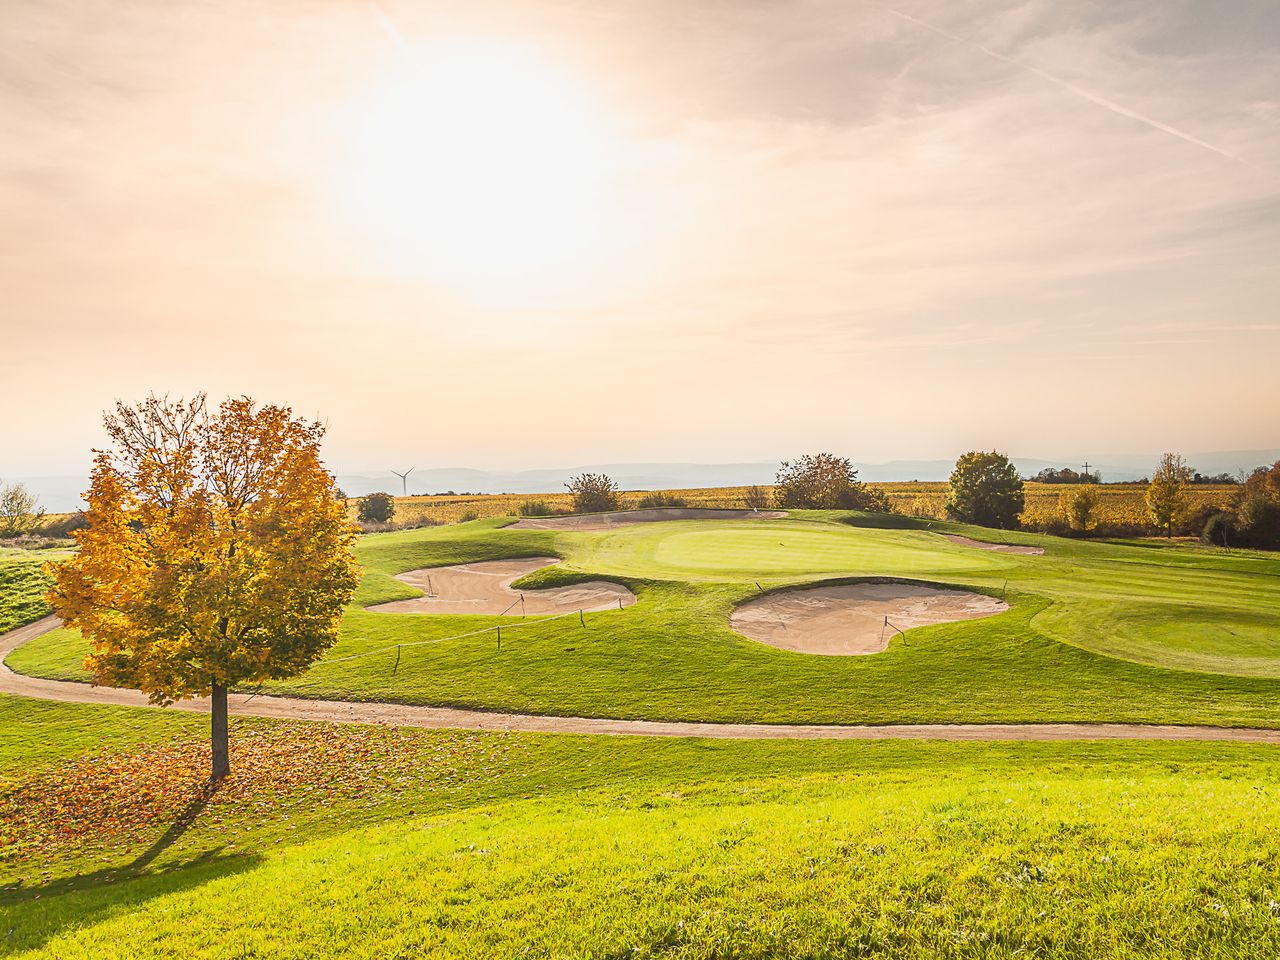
x,y
215,553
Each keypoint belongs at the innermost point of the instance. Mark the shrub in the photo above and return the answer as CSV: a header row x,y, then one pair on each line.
x,y
593,493
1079,506
757,498
651,501
534,508
1194,524
986,490
468,516
1219,530
822,481
1257,521
377,508
61,527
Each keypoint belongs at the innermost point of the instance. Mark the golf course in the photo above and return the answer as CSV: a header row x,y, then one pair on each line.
x,y
386,839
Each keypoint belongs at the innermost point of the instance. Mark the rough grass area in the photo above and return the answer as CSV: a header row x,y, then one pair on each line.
x,y
1097,631
596,847
23,584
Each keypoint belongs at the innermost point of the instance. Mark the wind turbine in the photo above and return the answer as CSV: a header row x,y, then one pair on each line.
x,y
404,479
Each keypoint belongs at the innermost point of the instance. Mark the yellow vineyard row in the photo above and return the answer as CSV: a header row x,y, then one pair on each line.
x,y
1121,504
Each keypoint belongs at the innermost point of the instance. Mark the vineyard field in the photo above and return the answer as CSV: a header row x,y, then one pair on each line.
x,y
1123,504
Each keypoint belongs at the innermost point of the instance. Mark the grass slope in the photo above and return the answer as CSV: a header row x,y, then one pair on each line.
x,y
591,847
1115,632
23,583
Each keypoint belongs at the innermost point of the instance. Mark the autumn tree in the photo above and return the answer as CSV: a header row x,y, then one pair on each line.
x,y
20,511
593,493
1079,506
823,481
216,553
987,490
1167,493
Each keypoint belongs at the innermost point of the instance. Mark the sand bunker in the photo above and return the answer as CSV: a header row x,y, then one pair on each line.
x,y
996,547
485,587
622,518
850,618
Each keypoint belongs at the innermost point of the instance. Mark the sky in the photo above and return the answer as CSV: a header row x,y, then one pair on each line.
x,y
513,235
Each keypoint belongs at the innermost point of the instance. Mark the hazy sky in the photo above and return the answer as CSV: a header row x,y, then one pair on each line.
x,y
520,234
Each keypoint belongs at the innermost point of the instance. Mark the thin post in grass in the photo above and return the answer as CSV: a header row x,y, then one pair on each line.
x,y
895,627
499,629
397,666
581,619
1003,589
619,603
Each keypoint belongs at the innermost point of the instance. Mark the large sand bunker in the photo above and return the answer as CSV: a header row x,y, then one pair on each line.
x,y
850,618
995,547
485,587
622,518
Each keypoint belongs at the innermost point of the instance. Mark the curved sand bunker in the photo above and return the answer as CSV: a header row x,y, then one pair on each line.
x,y
849,618
485,588
622,518
995,547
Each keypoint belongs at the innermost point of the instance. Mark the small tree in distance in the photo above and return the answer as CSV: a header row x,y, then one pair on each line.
x,y
823,481
987,490
377,508
593,493
20,512
215,554
757,498
1167,492
1079,506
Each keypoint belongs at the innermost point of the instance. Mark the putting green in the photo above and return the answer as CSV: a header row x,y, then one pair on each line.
x,y
774,550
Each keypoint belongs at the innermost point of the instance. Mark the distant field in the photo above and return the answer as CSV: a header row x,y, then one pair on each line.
x,y
1123,504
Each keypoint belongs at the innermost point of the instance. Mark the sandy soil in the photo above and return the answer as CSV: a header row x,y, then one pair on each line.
x,y
485,587
996,547
850,618
448,718
607,521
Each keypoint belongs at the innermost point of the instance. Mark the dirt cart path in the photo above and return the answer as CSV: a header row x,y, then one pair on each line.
x,y
447,718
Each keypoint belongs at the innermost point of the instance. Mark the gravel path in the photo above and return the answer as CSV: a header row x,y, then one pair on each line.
x,y
446,718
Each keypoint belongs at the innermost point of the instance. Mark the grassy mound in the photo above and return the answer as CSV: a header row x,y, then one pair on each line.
x,y
572,847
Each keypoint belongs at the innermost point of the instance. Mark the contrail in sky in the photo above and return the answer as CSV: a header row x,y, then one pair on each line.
x,y
1069,87
389,28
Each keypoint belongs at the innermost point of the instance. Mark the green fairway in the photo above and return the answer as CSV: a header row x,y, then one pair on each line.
x,y
1097,631
504,845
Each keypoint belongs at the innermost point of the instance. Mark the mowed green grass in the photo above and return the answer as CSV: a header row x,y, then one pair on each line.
x,y
23,584
771,551
599,847
1097,631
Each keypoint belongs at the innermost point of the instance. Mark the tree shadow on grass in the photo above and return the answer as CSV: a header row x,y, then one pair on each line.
x,y
35,914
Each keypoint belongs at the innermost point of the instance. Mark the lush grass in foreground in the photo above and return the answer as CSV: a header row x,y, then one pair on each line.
x,y
587,847
1097,631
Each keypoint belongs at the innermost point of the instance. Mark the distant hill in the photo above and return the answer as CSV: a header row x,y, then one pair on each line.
x,y
60,494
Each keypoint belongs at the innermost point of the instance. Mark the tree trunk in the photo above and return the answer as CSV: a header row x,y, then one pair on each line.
x,y
218,728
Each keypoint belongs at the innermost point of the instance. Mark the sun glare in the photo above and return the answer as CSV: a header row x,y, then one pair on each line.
x,y
480,163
